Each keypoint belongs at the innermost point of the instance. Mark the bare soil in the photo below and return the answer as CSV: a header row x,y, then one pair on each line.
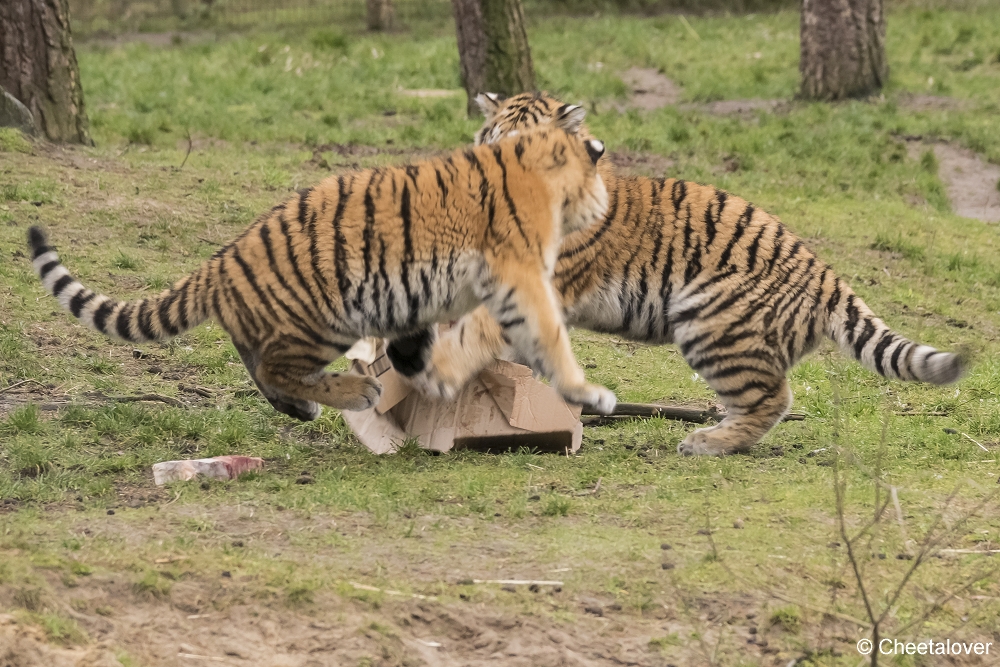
x,y
650,89
973,185
209,615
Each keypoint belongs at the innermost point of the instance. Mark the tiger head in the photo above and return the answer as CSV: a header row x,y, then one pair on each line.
x,y
509,116
567,161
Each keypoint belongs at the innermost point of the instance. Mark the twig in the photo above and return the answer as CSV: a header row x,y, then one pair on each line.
x,y
191,389
689,28
976,441
190,146
970,551
366,587
195,656
899,519
518,582
931,413
650,410
143,397
18,384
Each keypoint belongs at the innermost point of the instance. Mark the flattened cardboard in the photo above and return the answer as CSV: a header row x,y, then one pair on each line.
x,y
503,408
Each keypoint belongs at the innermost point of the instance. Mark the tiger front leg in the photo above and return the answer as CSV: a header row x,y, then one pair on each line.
x,y
460,353
527,312
304,378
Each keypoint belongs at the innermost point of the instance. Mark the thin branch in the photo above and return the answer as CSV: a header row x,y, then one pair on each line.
x,y
22,382
190,146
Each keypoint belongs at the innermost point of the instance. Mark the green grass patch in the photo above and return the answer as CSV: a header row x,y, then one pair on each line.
x,y
12,141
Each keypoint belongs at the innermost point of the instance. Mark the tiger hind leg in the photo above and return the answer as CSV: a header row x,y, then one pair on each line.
x,y
303,410
753,408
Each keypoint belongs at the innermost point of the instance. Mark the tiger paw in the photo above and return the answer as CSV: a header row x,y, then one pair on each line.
x,y
593,396
363,393
429,383
709,442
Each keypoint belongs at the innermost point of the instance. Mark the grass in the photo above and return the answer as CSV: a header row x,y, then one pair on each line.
x,y
132,221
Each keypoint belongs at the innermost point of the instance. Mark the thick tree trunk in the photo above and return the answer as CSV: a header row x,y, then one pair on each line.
x,y
38,66
843,49
380,15
493,48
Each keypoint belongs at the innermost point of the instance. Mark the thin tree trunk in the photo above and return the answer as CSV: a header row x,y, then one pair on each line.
x,y
493,48
842,49
471,50
38,67
380,15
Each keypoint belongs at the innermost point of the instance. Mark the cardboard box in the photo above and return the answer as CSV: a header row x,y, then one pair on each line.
x,y
505,408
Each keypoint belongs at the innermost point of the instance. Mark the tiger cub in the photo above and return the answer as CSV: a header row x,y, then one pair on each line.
x,y
381,252
679,262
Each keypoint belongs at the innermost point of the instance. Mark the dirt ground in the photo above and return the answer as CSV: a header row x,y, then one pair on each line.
x,y
971,182
231,618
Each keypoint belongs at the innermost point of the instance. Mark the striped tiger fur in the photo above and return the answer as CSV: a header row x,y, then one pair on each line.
x,y
676,261
381,252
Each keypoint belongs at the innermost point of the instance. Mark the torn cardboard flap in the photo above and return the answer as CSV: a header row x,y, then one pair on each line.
x,y
503,408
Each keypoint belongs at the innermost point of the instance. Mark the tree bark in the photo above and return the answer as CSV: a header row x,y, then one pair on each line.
x,y
471,50
38,67
842,49
493,48
380,15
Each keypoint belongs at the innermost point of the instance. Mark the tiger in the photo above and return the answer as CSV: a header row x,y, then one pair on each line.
x,y
381,252
679,262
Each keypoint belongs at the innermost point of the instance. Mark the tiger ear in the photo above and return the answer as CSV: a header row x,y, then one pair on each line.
x,y
489,103
570,117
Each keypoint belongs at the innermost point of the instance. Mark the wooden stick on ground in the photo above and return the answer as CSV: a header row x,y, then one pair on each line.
x,y
650,410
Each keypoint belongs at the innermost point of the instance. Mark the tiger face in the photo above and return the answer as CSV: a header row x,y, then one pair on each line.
x,y
510,116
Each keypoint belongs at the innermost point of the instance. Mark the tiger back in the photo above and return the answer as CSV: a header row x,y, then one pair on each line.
x,y
380,252
679,262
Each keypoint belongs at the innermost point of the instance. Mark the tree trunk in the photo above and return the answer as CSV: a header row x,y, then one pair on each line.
x,y
842,49
38,67
493,48
380,15
471,50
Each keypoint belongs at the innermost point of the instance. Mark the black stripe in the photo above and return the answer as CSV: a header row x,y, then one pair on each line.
x,y
101,315
711,221
163,313
894,361
62,284
340,248
47,268
265,237
866,335
123,322
852,318
182,305
730,371
406,213
752,250
884,342
145,320
294,261
677,194
741,225
506,195
507,324
749,385
79,302
248,274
